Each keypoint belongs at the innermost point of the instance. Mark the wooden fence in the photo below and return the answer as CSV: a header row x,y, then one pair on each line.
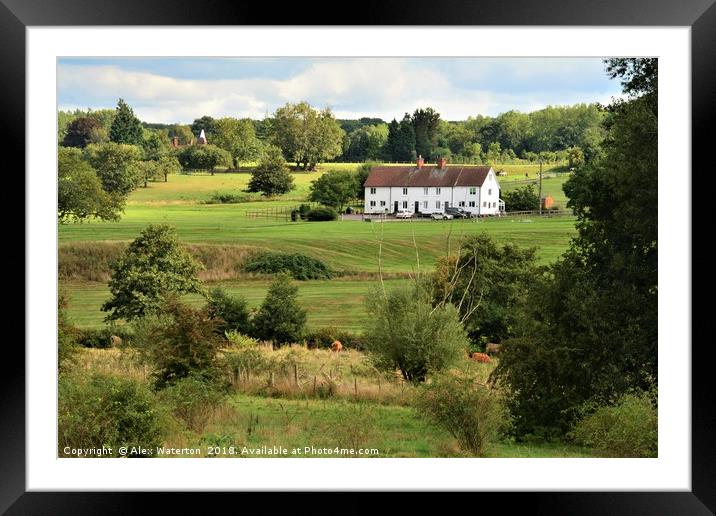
x,y
281,212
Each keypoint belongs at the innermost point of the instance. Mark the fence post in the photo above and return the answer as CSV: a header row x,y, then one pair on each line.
x,y
295,373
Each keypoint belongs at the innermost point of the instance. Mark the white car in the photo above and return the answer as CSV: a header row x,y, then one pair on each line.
x,y
404,215
441,216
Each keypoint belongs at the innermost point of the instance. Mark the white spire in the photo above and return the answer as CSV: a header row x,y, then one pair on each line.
x,y
202,135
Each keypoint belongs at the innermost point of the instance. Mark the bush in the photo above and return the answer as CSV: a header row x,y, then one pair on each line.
x,y
227,198
521,199
101,338
321,213
299,266
280,318
66,335
471,412
180,342
231,312
240,341
245,362
107,411
628,428
406,332
193,400
303,210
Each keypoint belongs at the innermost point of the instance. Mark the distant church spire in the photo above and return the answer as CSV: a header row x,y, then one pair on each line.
x,y
202,138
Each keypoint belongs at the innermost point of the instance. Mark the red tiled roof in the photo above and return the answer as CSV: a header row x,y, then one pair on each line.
x,y
427,176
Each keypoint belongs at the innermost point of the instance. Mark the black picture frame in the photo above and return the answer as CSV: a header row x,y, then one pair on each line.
x,y
700,15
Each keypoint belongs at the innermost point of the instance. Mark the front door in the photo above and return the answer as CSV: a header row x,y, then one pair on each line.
x,y
395,209
447,204
417,206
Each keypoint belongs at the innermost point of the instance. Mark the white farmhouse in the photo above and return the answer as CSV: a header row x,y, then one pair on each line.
x,y
430,189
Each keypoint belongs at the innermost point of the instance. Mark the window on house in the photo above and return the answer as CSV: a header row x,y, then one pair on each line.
x,y
372,190
489,191
405,191
473,190
472,204
372,203
461,204
405,204
425,204
484,204
437,191
425,191
494,205
382,203
437,204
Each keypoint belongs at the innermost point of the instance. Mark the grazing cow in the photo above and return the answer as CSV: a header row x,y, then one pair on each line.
x,y
116,341
336,346
492,349
480,357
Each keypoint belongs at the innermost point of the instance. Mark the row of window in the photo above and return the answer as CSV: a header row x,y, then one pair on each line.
x,y
461,204
473,191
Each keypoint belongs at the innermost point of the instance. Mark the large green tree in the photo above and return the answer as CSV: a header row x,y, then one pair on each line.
x,y
206,124
305,135
116,165
126,128
590,325
152,269
238,138
83,131
80,195
425,124
335,188
271,176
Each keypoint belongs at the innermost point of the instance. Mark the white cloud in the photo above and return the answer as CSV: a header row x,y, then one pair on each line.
x,y
383,87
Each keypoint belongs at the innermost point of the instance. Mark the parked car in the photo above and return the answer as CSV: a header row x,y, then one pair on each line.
x,y
458,213
404,215
440,216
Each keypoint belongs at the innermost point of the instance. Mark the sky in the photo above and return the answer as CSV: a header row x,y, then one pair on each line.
x,y
179,90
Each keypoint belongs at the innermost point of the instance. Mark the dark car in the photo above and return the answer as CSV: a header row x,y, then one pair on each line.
x,y
457,213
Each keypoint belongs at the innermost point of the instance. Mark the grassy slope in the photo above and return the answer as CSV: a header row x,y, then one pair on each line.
x,y
348,245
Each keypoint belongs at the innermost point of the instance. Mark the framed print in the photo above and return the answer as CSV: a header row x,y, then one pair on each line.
x,y
426,241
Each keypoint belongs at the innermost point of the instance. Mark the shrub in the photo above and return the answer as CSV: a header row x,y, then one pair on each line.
x,y
406,332
180,342
231,312
240,341
101,338
280,318
521,199
299,266
303,210
321,213
628,428
471,412
66,335
245,362
193,400
227,198
109,411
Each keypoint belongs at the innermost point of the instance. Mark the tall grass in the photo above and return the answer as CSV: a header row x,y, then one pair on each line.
x,y
90,261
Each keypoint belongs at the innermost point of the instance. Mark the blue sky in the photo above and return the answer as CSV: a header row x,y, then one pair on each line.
x,y
178,90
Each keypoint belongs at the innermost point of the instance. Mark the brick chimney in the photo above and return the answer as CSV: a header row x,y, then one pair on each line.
x,y
420,162
441,162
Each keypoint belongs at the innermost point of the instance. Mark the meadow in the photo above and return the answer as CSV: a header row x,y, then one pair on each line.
x,y
350,247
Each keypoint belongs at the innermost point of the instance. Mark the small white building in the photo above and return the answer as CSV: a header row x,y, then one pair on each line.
x,y
430,189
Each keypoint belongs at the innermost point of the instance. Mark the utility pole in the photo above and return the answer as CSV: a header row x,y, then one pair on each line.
x,y
540,187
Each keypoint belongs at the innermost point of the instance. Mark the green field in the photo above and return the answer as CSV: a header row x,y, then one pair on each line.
x,y
350,247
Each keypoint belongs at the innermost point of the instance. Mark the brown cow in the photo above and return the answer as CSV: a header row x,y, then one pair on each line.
x,y
336,346
480,357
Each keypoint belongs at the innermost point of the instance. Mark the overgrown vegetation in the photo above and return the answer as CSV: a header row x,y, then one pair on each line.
x,y
299,266
407,332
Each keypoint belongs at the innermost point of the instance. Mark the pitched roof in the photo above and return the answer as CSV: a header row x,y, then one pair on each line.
x,y
427,176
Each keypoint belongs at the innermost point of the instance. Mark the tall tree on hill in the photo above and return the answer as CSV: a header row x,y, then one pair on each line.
x,y
280,318
305,135
238,138
126,128
400,144
425,124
